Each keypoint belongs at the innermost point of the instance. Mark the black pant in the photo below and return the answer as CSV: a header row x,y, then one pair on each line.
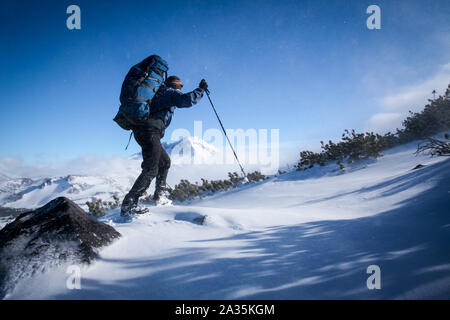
x,y
156,163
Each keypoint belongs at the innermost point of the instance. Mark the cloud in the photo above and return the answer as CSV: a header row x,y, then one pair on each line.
x,y
395,107
117,167
8,162
384,122
14,167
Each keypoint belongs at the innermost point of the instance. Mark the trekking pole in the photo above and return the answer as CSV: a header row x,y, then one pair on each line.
x,y
223,129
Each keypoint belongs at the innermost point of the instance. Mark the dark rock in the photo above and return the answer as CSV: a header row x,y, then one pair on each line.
x,y
418,166
192,217
56,233
11,212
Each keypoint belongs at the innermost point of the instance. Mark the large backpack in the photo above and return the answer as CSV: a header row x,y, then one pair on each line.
x,y
138,90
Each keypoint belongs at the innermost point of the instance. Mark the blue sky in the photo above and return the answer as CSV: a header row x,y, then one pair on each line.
x,y
308,68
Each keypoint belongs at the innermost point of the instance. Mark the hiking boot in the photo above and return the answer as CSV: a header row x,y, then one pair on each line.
x,y
139,210
160,197
132,209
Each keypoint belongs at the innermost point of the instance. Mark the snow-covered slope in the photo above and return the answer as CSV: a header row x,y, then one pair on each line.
x,y
29,193
301,235
11,186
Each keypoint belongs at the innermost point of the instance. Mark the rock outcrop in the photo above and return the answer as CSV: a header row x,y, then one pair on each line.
x,y
56,233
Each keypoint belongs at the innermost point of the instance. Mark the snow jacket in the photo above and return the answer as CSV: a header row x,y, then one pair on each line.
x,y
164,104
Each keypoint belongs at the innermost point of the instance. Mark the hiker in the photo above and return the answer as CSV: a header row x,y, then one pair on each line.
x,y
156,161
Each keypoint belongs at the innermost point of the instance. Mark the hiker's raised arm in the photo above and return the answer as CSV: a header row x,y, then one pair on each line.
x,y
185,100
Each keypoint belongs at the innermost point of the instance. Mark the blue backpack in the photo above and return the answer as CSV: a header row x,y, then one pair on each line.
x,y
138,90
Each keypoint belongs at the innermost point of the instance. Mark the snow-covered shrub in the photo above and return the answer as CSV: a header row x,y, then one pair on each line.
x,y
98,207
255,176
435,147
185,190
353,146
434,118
235,178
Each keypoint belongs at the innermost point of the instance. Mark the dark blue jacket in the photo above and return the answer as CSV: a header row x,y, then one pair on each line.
x,y
167,99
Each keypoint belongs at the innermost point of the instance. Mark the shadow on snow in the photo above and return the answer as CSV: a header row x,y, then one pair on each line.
x,y
317,260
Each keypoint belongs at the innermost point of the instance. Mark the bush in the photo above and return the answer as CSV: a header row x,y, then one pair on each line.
x,y
186,190
98,207
255,176
434,118
354,146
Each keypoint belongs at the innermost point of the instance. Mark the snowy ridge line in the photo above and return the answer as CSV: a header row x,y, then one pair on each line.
x,y
80,188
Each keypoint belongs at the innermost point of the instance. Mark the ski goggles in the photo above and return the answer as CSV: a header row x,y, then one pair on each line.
x,y
176,85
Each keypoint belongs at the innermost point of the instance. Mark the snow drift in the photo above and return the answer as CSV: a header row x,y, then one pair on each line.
x,y
299,235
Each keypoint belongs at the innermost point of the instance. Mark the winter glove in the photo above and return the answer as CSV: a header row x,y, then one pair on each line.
x,y
203,85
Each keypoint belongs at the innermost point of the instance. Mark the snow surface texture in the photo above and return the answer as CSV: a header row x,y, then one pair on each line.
x,y
301,235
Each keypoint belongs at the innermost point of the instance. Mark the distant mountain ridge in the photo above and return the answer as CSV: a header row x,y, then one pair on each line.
x,y
33,193
28,193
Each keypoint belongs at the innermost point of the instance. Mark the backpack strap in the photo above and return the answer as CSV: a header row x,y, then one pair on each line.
x,y
154,79
146,85
145,76
143,99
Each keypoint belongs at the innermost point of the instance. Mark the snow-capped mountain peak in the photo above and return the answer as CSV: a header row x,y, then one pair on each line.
x,y
193,146
190,149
